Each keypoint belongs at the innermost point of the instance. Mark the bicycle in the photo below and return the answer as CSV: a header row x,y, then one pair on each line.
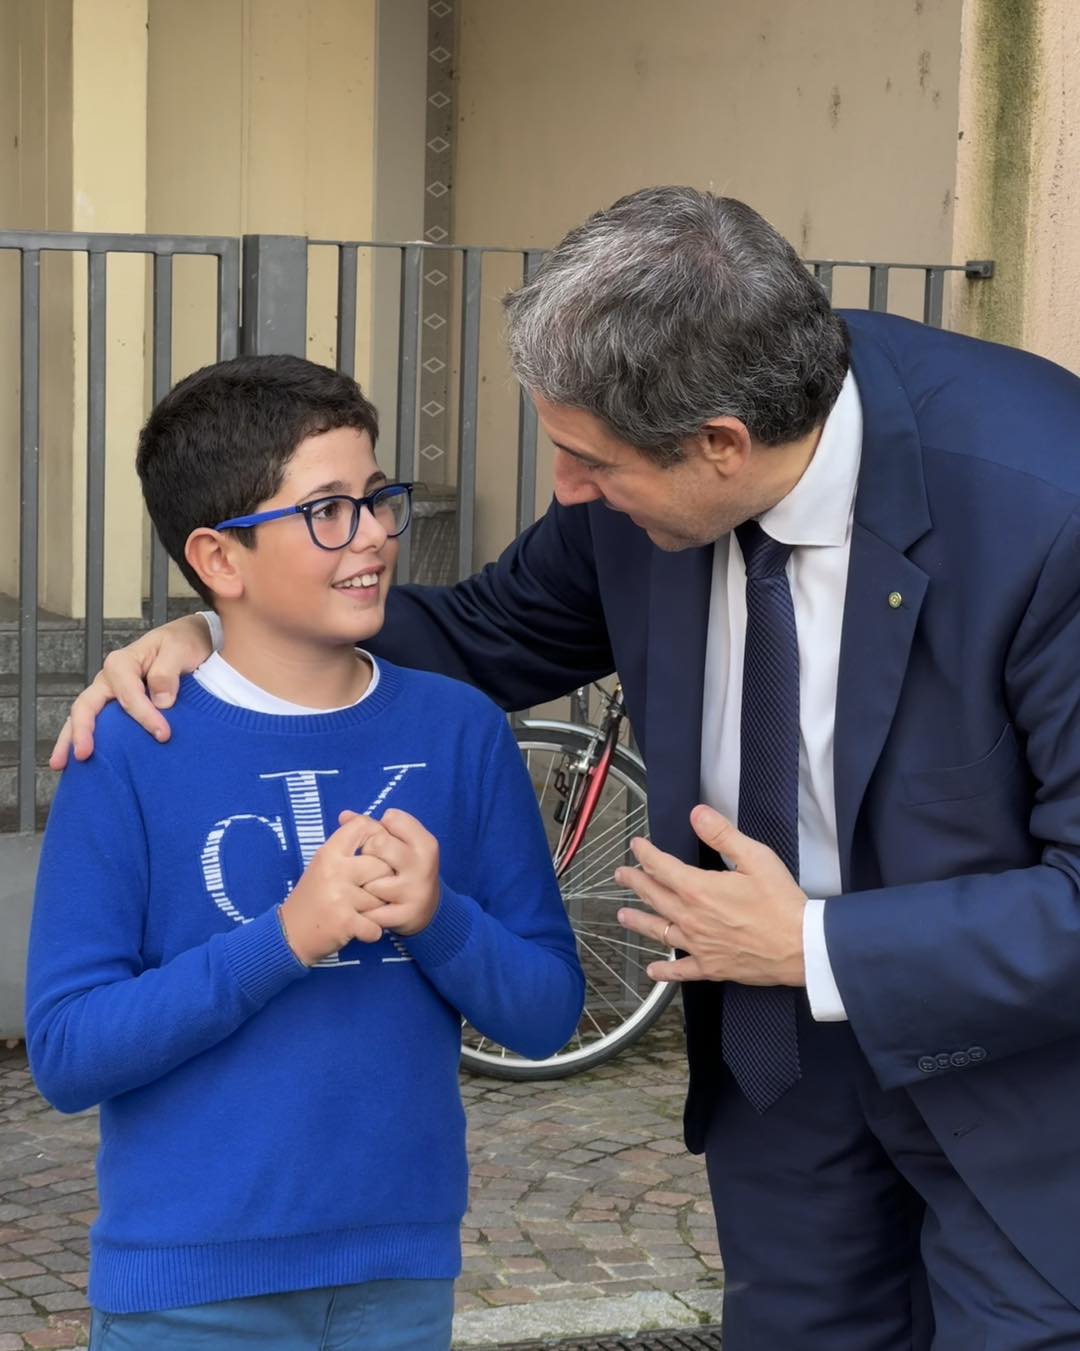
x,y
591,791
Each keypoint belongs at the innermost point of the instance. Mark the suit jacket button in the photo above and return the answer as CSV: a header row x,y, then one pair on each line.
x,y
927,1064
976,1053
959,1059
943,1059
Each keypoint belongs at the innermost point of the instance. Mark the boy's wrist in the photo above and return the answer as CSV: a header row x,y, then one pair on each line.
x,y
285,935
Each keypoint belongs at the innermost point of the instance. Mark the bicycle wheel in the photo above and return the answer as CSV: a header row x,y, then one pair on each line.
x,y
621,1002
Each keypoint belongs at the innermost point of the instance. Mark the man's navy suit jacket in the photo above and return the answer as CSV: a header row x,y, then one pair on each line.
x,y
956,942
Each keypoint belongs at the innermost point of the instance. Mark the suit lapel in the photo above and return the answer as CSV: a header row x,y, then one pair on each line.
x,y
885,590
873,661
679,590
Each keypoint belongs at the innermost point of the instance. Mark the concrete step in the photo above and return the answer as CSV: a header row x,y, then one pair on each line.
x,y
45,779
61,645
55,691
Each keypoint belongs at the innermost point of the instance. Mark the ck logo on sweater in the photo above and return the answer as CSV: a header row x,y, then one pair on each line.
x,y
305,810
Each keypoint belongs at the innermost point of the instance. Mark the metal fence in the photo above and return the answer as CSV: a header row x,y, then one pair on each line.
x,y
262,306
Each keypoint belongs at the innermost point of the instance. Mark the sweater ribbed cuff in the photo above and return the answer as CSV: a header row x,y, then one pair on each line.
x,y
262,961
448,931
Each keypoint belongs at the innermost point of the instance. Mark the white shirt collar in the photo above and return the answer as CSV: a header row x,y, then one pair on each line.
x,y
818,510
226,683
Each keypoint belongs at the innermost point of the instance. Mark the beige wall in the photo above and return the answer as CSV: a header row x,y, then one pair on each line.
x,y
260,119
108,193
837,120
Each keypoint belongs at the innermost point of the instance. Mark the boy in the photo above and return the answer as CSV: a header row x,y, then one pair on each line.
x,y
270,1018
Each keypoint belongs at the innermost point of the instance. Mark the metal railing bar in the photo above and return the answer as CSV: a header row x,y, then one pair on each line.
x,y
162,380
423,245
95,464
526,484
63,242
405,465
934,296
228,337
824,275
89,242
878,298
472,272
346,309
866,262
29,503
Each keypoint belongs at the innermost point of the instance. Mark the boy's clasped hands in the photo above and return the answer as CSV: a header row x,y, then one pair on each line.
x,y
369,876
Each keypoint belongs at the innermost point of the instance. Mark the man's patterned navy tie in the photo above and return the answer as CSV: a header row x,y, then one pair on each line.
x,y
759,1039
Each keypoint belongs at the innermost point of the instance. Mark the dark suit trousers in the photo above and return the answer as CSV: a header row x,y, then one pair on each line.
x,y
843,1227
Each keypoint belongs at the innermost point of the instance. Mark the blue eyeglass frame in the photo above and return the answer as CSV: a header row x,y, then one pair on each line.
x,y
306,509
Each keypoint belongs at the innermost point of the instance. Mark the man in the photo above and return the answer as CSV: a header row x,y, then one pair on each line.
x,y
836,562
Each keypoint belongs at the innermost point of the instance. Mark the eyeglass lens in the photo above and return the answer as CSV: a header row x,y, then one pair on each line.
x,y
334,520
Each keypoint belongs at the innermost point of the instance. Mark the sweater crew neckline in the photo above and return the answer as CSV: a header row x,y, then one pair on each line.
x,y
377,701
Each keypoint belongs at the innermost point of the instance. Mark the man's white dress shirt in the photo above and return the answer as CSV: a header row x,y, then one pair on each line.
x,y
816,519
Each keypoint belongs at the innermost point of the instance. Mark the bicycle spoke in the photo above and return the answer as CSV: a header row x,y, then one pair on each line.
x,y
542,794
596,990
620,897
605,924
624,943
624,827
608,967
600,867
628,956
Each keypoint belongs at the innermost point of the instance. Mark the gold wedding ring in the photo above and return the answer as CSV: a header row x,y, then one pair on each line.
x,y
667,929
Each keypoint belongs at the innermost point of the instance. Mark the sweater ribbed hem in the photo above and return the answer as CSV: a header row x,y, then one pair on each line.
x,y
447,933
127,1279
262,961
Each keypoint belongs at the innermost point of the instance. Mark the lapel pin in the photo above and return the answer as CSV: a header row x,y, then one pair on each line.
x,y
895,600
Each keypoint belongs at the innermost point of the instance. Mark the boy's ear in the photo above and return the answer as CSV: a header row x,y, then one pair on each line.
x,y
211,554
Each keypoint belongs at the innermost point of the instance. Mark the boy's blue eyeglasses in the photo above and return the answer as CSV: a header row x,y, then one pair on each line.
x,y
332,522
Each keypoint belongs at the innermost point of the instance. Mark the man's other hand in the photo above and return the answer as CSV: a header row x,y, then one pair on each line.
x,y
143,677
744,924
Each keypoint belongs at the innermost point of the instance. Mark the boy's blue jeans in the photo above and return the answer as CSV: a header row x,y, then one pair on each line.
x,y
377,1316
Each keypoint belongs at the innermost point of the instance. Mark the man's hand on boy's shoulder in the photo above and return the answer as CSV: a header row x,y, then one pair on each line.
x,y
410,891
143,677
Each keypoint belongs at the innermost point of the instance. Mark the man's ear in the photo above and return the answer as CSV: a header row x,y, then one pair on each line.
x,y
212,556
725,443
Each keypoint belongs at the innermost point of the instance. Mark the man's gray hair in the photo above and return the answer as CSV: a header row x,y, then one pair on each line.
x,y
672,307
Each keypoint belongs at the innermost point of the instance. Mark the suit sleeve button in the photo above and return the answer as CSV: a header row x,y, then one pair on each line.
x,y
959,1059
976,1053
927,1064
943,1059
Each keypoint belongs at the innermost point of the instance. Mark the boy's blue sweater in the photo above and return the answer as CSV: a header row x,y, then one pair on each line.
x,y
265,1127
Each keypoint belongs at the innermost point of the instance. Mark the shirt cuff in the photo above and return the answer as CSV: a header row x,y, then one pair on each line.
x,y
213,623
826,1004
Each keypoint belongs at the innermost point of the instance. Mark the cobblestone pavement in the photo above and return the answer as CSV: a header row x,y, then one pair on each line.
x,y
587,1215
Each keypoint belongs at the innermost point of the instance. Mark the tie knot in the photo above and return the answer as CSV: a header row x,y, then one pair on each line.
x,y
763,555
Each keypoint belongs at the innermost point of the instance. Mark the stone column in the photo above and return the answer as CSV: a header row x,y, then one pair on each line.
x,y
1018,174
78,137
